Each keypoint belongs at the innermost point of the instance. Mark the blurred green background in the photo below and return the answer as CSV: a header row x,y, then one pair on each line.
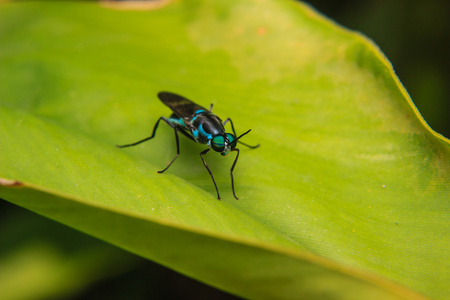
x,y
414,36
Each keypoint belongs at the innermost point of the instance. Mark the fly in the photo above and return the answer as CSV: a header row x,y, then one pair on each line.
x,y
200,125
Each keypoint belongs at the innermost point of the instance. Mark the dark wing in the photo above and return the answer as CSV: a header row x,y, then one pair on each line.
x,y
182,107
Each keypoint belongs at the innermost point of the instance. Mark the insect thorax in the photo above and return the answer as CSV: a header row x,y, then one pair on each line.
x,y
205,126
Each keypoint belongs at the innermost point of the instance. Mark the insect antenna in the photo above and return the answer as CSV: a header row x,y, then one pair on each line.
x,y
243,134
252,147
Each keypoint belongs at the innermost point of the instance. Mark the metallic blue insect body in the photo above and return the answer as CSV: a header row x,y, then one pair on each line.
x,y
201,126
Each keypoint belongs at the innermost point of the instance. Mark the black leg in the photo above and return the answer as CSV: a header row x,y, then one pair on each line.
x,y
178,150
231,172
175,128
149,138
234,132
209,171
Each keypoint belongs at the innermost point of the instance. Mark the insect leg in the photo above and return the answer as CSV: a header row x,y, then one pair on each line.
x,y
209,171
149,138
231,171
234,132
210,107
178,148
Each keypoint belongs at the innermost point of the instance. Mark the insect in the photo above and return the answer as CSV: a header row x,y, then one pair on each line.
x,y
200,125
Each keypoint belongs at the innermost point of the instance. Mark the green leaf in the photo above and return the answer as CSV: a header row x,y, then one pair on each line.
x,y
347,196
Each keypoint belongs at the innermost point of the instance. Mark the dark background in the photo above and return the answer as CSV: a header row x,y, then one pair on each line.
x,y
414,36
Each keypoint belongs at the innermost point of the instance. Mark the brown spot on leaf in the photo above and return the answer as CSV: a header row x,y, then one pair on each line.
x,y
134,5
9,182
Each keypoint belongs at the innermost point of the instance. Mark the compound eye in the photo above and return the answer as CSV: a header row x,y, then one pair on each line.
x,y
218,143
231,140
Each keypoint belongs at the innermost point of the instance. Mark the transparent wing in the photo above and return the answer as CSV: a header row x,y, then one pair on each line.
x,y
182,107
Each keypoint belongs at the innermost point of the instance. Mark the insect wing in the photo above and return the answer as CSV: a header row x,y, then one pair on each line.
x,y
181,106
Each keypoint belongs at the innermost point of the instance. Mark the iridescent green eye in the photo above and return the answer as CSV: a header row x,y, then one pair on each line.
x,y
231,140
218,143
